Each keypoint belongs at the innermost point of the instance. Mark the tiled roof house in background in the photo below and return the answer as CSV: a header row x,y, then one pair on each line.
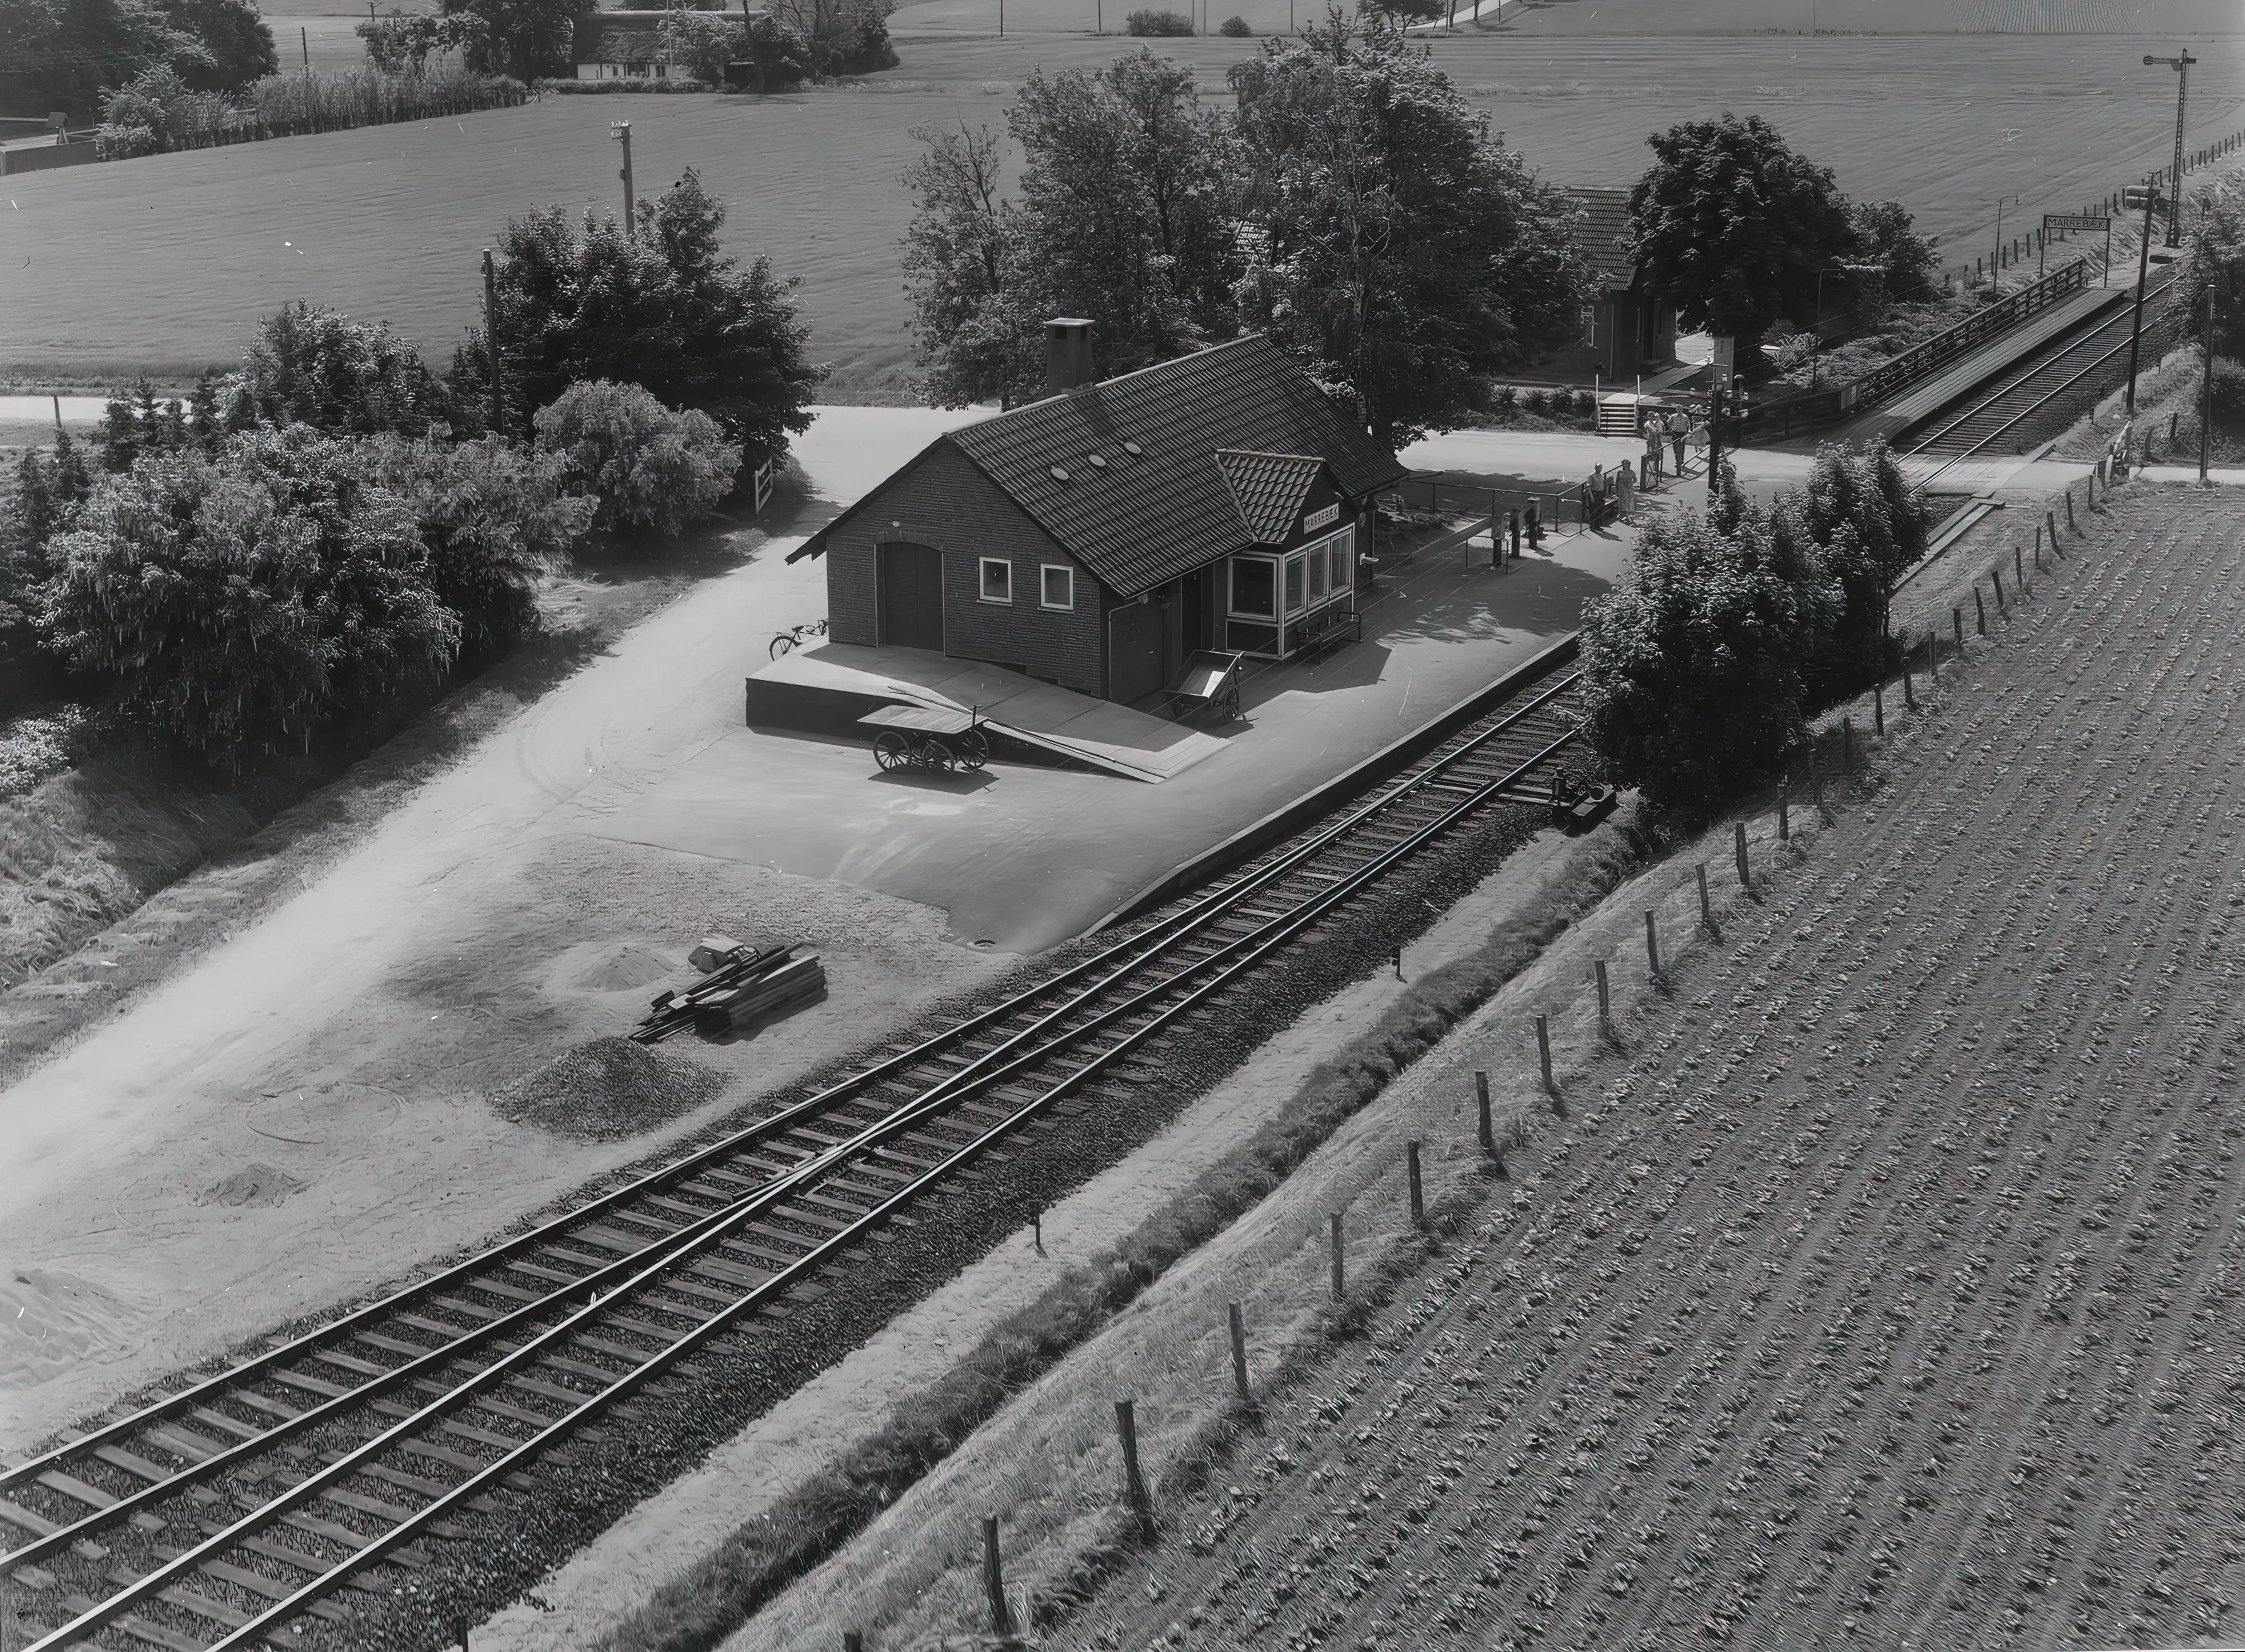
x,y
1627,330
611,45
1097,538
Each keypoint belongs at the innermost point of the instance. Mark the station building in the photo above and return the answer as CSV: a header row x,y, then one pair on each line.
x,y
1095,539
1627,328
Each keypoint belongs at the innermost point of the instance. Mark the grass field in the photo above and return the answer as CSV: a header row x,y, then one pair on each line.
x,y
162,265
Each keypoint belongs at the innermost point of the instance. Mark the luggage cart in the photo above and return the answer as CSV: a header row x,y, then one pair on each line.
x,y
1211,677
928,737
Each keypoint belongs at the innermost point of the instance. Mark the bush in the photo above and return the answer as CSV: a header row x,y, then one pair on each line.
x,y
497,521
312,365
1868,527
2228,391
161,112
249,598
400,44
237,42
704,42
1147,20
1235,28
666,311
648,466
1692,666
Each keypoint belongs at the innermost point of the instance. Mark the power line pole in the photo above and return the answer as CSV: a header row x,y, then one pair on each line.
x,y
2143,273
621,131
2182,66
2206,402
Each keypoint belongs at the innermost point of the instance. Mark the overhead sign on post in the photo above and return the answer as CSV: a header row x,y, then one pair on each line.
x,y
2072,221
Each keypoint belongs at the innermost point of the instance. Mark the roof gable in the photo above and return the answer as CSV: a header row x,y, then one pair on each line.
x,y
1124,474
1270,489
1602,237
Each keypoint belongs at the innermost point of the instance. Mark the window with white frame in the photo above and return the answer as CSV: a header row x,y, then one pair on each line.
x,y
1316,566
997,579
1058,588
1294,583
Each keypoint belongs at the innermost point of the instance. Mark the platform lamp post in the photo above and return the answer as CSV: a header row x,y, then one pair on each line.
x,y
2182,66
621,131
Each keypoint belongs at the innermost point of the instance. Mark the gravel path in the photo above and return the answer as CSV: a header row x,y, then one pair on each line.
x,y
1885,1289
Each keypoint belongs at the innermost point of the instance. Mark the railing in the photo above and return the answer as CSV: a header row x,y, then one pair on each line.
x,y
1922,360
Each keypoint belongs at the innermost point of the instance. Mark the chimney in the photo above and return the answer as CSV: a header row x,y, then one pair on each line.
x,y
1068,354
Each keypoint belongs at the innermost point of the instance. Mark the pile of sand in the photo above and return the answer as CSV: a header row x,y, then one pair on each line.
x,y
626,969
609,1087
256,1185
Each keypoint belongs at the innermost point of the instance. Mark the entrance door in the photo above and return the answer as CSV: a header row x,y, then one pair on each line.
x,y
1134,651
912,597
1194,615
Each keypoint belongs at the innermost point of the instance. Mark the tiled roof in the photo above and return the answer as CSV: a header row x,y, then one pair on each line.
x,y
1602,237
1270,488
1139,519
618,37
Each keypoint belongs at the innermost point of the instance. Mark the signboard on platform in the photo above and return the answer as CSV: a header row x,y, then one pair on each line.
x,y
2069,222
1317,519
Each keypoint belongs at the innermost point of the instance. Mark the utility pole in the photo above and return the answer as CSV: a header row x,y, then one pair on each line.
x,y
2143,273
621,131
1996,259
2206,402
491,335
2182,66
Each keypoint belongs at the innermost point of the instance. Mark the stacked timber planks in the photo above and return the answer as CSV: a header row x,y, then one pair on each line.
x,y
742,984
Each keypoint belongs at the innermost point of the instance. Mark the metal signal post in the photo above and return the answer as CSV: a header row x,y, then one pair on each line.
x,y
2182,66
1724,404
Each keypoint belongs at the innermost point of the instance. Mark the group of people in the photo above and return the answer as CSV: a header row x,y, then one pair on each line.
x,y
1609,493
1669,430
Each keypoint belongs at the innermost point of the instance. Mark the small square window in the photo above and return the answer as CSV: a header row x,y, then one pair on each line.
x,y
1059,587
997,579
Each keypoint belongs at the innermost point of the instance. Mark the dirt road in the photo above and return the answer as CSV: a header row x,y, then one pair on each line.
x,y
1884,1287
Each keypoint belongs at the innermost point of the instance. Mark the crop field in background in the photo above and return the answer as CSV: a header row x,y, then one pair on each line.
x,y
1881,1280
162,265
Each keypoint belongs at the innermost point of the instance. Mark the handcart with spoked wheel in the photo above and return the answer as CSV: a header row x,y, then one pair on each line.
x,y
1210,679
932,738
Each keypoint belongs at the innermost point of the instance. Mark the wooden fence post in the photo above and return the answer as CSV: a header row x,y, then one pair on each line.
x,y
1339,1278
993,1580
1488,1129
1418,1192
2019,570
1878,708
1909,693
1134,1484
2050,521
1784,812
852,1640
2069,507
1706,907
1933,654
1996,579
1239,1352
1738,846
1957,619
1544,1052
1606,1004
1652,945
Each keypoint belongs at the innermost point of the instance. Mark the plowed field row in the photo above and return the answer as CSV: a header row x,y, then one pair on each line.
x,y
1885,1285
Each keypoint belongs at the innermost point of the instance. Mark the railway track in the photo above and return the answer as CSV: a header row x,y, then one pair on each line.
x,y
218,1515
2036,403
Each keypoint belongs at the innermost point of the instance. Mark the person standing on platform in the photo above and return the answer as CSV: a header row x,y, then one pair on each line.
x,y
1655,428
1535,528
1679,427
1625,491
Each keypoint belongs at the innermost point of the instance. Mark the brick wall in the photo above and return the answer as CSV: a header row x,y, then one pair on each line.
x,y
941,500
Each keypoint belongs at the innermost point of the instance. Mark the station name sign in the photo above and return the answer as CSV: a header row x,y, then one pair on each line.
x,y
1324,518
2076,221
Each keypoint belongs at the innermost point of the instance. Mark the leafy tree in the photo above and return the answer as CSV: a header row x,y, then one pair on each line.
x,y
139,424
59,54
702,43
524,39
237,44
973,330
649,467
1692,666
312,365
1396,249
402,43
2216,259
250,598
1868,525
667,311
1887,236
1235,28
48,490
497,520
1156,21
839,37
1125,207
1732,226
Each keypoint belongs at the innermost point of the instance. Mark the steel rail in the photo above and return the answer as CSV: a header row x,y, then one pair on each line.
x,y
988,1069
1147,941
2056,355
1251,949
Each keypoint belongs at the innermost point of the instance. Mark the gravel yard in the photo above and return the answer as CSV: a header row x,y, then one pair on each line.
x,y
1880,1282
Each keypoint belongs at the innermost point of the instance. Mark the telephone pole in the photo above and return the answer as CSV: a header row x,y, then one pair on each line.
x,y
2206,400
2182,66
491,336
2143,273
